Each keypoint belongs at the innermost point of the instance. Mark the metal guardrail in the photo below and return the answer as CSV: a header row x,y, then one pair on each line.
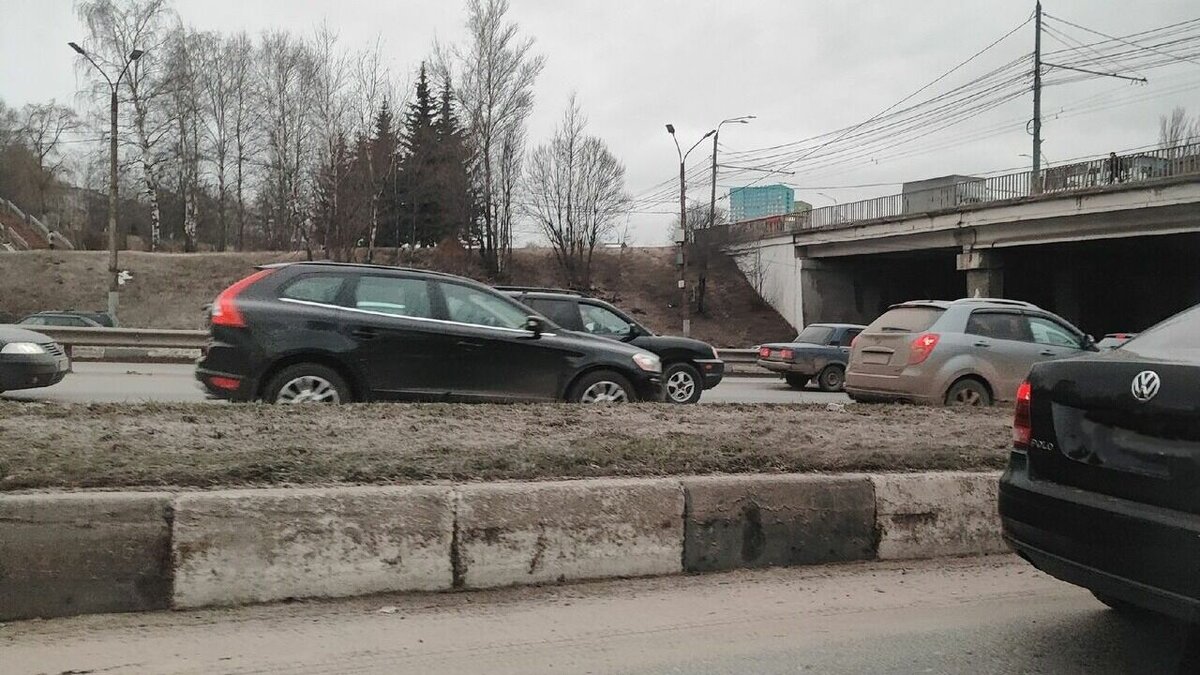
x,y
149,338
124,337
1114,170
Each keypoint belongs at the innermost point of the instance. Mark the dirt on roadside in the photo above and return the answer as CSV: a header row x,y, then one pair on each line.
x,y
206,446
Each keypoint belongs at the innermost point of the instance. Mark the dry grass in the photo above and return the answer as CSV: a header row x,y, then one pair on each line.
x,y
203,446
169,289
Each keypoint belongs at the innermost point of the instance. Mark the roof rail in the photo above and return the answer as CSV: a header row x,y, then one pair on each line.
x,y
1000,301
537,289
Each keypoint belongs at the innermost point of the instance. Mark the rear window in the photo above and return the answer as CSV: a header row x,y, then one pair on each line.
x,y
1176,339
323,288
905,320
817,335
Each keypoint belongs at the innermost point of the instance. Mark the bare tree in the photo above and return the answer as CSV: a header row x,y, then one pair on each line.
x,y
576,191
116,28
216,112
244,120
330,109
1178,129
183,72
371,89
284,73
498,70
43,126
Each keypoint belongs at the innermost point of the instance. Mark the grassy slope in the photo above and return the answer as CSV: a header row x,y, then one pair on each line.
x,y
168,290
204,445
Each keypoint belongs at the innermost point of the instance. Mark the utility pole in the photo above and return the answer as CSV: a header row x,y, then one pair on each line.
x,y
685,305
712,201
1036,186
114,271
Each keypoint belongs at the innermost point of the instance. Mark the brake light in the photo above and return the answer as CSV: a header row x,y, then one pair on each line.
x,y
1023,417
225,311
922,347
764,352
786,354
228,383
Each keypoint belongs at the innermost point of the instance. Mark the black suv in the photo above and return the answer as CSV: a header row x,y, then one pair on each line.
x,y
689,366
336,332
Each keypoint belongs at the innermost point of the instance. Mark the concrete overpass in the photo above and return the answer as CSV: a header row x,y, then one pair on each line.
x,y
1112,245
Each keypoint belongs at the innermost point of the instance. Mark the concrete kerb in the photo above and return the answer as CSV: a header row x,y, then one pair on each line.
x,y
929,515
106,552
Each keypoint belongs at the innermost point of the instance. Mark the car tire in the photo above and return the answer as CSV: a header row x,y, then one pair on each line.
x,y
682,383
968,393
832,378
796,381
602,386
308,383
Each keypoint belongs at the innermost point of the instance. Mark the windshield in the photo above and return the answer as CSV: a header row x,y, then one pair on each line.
x,y
905,320
817,335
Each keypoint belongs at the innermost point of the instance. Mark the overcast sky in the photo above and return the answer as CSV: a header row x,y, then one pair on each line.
x,y
803,67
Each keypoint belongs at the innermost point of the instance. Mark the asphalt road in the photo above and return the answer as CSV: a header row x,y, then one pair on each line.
x,y
988,615
135,382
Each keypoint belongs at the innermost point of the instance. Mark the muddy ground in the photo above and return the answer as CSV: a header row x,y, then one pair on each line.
x,y
204,446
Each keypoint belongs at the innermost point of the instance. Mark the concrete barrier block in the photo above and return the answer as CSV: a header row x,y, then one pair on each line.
x,y
246,546
927,515
525,533
84,554
760,521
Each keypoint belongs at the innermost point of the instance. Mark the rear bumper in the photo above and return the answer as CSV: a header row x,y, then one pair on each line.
x,y
786,367
32,371
712,370
1142,554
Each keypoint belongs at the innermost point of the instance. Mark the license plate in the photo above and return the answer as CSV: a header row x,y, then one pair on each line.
x,y
876,358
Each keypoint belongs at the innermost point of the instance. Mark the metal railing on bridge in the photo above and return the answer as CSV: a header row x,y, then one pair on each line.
x,y
965,191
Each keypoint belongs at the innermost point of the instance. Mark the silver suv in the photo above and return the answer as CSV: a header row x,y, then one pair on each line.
x,y
964,352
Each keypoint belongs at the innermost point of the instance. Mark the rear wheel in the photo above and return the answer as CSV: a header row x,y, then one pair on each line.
x,y
796,381
832,378
602,386
682,383
971,393
308,383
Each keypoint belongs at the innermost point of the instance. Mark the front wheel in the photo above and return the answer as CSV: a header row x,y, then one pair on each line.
x,y
832,378
682,383
601,386
307,383
970,393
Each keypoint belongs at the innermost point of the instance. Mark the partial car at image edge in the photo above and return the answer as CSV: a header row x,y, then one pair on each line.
x,y
30,360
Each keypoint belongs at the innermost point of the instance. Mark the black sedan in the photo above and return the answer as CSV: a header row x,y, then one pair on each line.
x,y
29,360
1103,484
333,332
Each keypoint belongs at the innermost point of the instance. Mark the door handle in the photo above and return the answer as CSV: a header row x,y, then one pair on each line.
x,y
365,333
469,344
1047,352
983,343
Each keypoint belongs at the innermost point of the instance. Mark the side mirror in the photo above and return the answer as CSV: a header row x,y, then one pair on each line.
x,y
1089,343
535,325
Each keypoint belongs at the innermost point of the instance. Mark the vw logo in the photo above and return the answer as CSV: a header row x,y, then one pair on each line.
x,y
1145,385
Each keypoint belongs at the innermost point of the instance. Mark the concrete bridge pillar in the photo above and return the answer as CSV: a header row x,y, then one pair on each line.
x,y
985,273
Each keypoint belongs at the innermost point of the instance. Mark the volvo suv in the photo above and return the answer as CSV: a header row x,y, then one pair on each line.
x,y
337,332
974,351
690,366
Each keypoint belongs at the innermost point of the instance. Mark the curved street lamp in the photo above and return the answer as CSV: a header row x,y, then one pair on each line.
x,y
683,231
113,270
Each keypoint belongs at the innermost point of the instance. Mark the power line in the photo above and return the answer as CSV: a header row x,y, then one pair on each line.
x,y
1124,41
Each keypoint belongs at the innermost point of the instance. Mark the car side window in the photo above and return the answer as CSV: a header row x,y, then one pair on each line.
x,y
480,308
598,320
848,337
1048,332
398,296
320,288
33,321
562,312
999,326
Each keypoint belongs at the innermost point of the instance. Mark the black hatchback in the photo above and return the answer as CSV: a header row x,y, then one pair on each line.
x,y
1103,483
337,332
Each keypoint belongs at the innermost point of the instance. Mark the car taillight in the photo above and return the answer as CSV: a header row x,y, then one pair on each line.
x,y
1023,417
764,352
224,310
922,347
786,354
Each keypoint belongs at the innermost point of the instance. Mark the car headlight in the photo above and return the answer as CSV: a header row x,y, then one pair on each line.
x,y
648,362
22,348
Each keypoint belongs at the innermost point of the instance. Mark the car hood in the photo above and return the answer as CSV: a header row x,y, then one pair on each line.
x,y
658,343
595,342
10,333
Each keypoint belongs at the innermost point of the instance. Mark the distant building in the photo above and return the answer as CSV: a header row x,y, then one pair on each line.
x,y
748,203
944,192
801,207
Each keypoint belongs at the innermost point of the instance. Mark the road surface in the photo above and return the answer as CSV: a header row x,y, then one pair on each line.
x,y
987,615
135,382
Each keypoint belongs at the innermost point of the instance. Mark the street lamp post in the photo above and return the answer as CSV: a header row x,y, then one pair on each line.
x,y
683,292
712,203
114,272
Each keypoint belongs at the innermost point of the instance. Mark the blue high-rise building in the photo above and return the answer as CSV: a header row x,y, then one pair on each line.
x,y
748,203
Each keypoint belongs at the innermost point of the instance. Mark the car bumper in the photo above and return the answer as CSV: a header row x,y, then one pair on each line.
x,y
223,385
1142,554
785,367
712,370
32,371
